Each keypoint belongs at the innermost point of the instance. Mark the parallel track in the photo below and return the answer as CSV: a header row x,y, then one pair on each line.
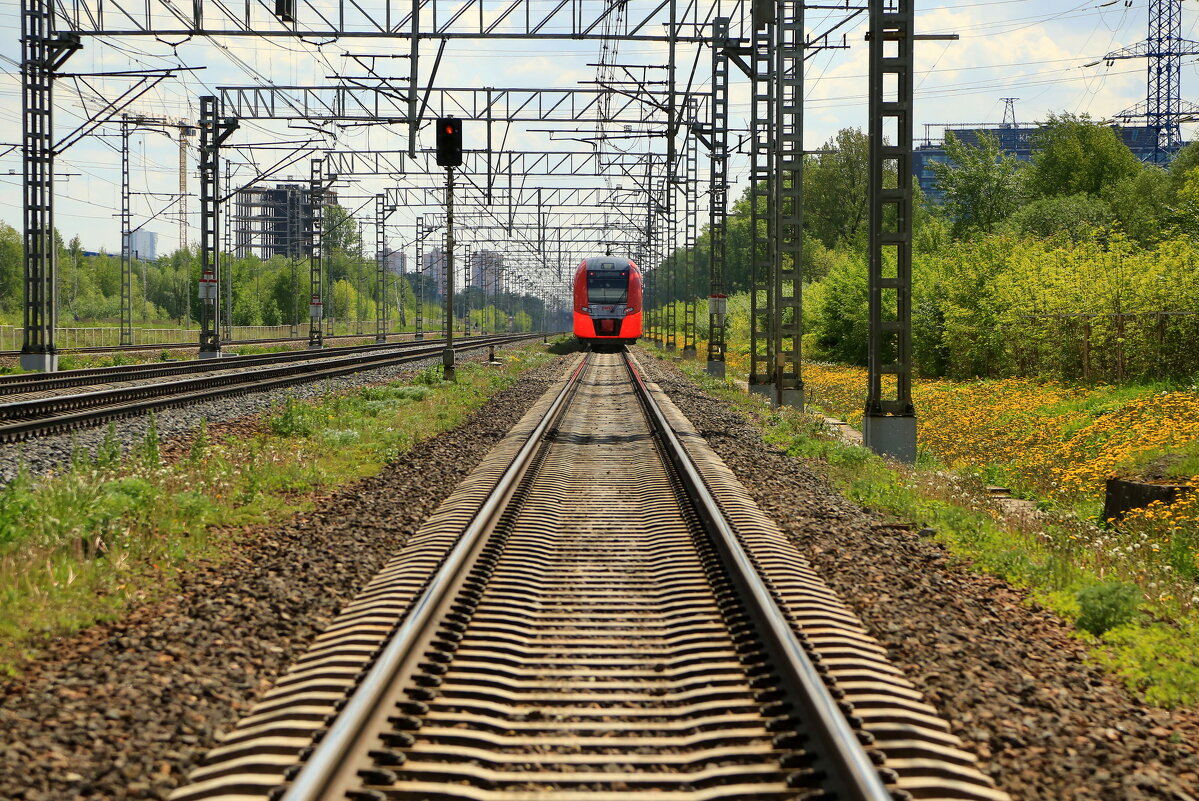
x,y
231,343
597,627
133,392
88,376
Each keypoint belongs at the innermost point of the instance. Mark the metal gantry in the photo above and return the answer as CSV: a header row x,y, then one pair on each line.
x,y
316,254
889,426
43,53
786,318
762,203
494,195
1163,109
718,190
381,311
690,227
214,130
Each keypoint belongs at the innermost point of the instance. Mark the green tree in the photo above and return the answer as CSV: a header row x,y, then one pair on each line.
x,y
12,283
1073,217
836,186
981,183
1074,154
1141,203
340,234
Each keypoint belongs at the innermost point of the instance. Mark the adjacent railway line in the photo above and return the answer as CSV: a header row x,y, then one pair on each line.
x,y
38,404
232,343
597,612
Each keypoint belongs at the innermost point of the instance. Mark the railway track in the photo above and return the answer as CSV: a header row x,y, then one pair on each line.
x,y
598,612
37,405
231,343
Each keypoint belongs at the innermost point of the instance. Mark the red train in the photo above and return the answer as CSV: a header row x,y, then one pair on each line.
x,y
607,301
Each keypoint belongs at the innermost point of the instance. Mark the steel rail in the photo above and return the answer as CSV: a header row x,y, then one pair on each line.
x,y
852,775
90,408
36,382
326,761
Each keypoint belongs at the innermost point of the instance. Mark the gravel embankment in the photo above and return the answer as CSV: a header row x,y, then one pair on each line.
x,y
1008,676
123,710
46,453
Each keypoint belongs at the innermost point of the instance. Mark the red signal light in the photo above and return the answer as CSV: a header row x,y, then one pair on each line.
x,y
449,142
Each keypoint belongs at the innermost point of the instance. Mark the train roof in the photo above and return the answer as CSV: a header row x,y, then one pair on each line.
x,y
607,263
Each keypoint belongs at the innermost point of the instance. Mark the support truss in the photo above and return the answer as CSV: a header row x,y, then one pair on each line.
x,y
786,317
889,426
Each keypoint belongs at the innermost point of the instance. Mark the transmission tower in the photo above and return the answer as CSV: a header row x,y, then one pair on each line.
x,y
1009,111
1163,108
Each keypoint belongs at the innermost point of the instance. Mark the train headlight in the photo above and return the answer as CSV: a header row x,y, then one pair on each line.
x,y
585,310
629,309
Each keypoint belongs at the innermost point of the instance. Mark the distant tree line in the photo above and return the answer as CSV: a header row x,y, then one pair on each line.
x,y
264,292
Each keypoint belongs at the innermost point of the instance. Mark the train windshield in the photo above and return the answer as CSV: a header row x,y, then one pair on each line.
x,y
607,286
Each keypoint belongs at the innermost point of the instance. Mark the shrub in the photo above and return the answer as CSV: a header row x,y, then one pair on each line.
x,y
1105,606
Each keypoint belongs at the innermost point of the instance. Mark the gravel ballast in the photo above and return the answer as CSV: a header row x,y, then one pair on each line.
x,y
123,710
1008,676
48,453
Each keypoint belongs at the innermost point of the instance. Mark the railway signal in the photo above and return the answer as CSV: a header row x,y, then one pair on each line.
x,y
449,142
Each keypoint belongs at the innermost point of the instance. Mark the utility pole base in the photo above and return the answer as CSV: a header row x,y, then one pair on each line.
x,y
715,369
380,338
210,354
447,363
671,347
40,362
689,352
892,436
765,390
793,398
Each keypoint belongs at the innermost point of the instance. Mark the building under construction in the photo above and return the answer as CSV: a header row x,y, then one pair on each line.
x,y
274,221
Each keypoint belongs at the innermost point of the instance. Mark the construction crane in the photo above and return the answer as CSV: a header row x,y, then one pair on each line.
x,y
185,130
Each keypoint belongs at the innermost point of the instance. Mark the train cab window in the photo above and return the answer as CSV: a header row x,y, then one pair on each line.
x,y
607,287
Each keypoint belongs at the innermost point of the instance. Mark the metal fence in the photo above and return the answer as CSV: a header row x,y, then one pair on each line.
x,y
1152,345
110,336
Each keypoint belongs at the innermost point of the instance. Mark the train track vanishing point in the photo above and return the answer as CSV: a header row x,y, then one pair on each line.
x,y
600,612
36,406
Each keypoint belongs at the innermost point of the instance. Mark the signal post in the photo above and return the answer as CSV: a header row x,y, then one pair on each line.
x,y
449,155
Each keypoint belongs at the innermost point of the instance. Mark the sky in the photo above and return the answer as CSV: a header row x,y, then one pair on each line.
x,y
1042,52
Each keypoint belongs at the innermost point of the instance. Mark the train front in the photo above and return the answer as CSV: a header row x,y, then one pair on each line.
x,y
607,301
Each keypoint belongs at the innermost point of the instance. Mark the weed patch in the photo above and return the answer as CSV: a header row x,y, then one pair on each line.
x,y
1122,587
114,528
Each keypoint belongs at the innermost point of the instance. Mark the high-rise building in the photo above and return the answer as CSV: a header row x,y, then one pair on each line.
x,y
143,244
396,262
486,269
434,268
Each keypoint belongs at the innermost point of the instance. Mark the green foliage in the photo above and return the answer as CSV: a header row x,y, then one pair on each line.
x,y
77,546
981,184
836,190
150,445
1157,659
1105,606
16,506
1143,204
110,449
1073,218
296,419
836,312
1074,154
200,441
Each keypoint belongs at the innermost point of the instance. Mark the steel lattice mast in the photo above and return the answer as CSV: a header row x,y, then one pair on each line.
x,y
1164,47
